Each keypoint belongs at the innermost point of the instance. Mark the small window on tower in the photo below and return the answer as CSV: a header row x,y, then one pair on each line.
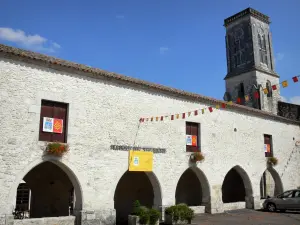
x,y
241,94
269,88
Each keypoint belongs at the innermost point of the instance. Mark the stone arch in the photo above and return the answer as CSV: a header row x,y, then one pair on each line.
x,y
78,199
270,183
193,188
142,186
237,187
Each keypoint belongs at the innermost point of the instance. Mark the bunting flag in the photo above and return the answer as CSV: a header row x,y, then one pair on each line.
x,y
246,98
223,105
285,83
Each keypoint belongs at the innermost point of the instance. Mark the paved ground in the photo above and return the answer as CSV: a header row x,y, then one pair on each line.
x,y
247,217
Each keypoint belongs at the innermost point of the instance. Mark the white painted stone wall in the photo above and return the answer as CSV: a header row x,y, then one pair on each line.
x,y
103,113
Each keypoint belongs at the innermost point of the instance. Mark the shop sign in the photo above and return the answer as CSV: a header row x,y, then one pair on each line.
x,y
128,148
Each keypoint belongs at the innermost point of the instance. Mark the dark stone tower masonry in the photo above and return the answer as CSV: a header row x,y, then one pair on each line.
x,y
250,60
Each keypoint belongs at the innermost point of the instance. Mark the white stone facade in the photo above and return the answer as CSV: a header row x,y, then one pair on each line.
x,y
104,113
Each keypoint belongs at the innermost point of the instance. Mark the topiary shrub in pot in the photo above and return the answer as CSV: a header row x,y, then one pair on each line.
x,y
178,214
154,216
141,215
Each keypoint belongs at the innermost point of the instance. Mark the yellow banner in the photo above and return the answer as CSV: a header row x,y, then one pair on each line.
x,y
140,161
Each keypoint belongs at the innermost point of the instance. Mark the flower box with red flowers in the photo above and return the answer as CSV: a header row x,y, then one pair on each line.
x,y
56,148
196,157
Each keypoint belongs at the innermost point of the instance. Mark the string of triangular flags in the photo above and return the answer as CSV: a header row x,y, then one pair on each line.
x,y
196,112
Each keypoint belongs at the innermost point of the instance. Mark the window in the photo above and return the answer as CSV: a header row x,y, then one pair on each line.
x,y
238,48
192,132
268,145
241,94
297,194
23,197
58,111
262,48
269,88
287,194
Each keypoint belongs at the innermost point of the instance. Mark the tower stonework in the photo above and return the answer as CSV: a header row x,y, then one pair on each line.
x,y
250,60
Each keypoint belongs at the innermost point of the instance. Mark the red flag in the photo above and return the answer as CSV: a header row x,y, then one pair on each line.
x,y
183,115
210,109
196,112
223,105
274,87
172,117
295,79
161,118
256,94
58,125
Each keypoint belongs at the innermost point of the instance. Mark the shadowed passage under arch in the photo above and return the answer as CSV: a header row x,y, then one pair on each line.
x,y
270,183
237,186
192,188
52,192
142,186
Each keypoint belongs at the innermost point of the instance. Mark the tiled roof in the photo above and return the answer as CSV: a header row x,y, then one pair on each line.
x,y
46,61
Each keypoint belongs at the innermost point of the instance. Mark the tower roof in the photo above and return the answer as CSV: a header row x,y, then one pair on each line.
x,y
245,12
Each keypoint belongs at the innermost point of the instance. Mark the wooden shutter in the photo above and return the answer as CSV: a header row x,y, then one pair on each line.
x,y
192,129
60,112
46,111
267,140
53,110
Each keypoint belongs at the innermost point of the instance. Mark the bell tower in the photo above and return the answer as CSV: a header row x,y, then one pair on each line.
x,y
250,60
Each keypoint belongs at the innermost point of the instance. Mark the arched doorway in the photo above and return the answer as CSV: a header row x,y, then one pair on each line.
x,y
192,188
270,183
142,186
52,192
237,187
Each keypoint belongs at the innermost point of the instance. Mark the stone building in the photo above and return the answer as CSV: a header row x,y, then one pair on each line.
x,y
100,112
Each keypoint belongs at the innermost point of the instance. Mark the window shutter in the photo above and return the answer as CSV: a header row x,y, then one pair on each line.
x,y
188,129
46,111
267,140
60,112
192,129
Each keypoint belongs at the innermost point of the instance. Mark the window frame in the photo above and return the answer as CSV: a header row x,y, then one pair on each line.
x,y
271,154
191,148
59,105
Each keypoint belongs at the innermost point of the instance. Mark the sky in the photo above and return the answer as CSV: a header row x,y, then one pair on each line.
x,y
177,43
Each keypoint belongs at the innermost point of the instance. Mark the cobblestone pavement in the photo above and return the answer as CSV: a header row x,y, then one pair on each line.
x,y
247,217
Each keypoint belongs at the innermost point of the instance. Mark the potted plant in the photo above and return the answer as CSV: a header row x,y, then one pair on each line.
x,y
179,214
143,215
196,157
273,161
56,148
